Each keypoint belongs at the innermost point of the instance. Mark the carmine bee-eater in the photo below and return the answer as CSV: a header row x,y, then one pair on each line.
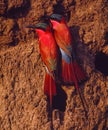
x,y
71,71
49,54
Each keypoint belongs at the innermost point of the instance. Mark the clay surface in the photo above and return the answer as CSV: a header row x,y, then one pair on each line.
x,y
23,105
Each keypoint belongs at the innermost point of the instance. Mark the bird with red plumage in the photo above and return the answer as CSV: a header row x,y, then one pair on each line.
x,y
72,72
49,53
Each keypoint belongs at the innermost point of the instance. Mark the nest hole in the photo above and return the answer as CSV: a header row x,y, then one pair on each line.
x,y
101,63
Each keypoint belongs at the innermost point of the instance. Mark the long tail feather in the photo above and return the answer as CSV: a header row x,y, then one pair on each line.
x,y
75,75
72,74
49,87
82,99
50,90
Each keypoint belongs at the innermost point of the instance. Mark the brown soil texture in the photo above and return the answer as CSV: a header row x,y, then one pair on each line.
x,y
23,105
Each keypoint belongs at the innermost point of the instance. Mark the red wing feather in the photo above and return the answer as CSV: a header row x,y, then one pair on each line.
x,y
72,72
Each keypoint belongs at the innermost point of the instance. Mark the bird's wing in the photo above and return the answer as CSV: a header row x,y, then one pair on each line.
x,y
63,45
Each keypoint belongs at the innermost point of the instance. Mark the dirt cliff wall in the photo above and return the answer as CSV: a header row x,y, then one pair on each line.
x,y
23,105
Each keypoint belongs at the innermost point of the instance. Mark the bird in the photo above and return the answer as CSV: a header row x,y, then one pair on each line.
x,y
50,55
71,70
72,73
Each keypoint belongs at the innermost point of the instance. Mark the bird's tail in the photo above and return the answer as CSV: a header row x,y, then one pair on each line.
x,y
49,87
72,74
67,73
80,74
70,71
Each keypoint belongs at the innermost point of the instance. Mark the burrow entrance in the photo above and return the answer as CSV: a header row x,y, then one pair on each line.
x,y
101,63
